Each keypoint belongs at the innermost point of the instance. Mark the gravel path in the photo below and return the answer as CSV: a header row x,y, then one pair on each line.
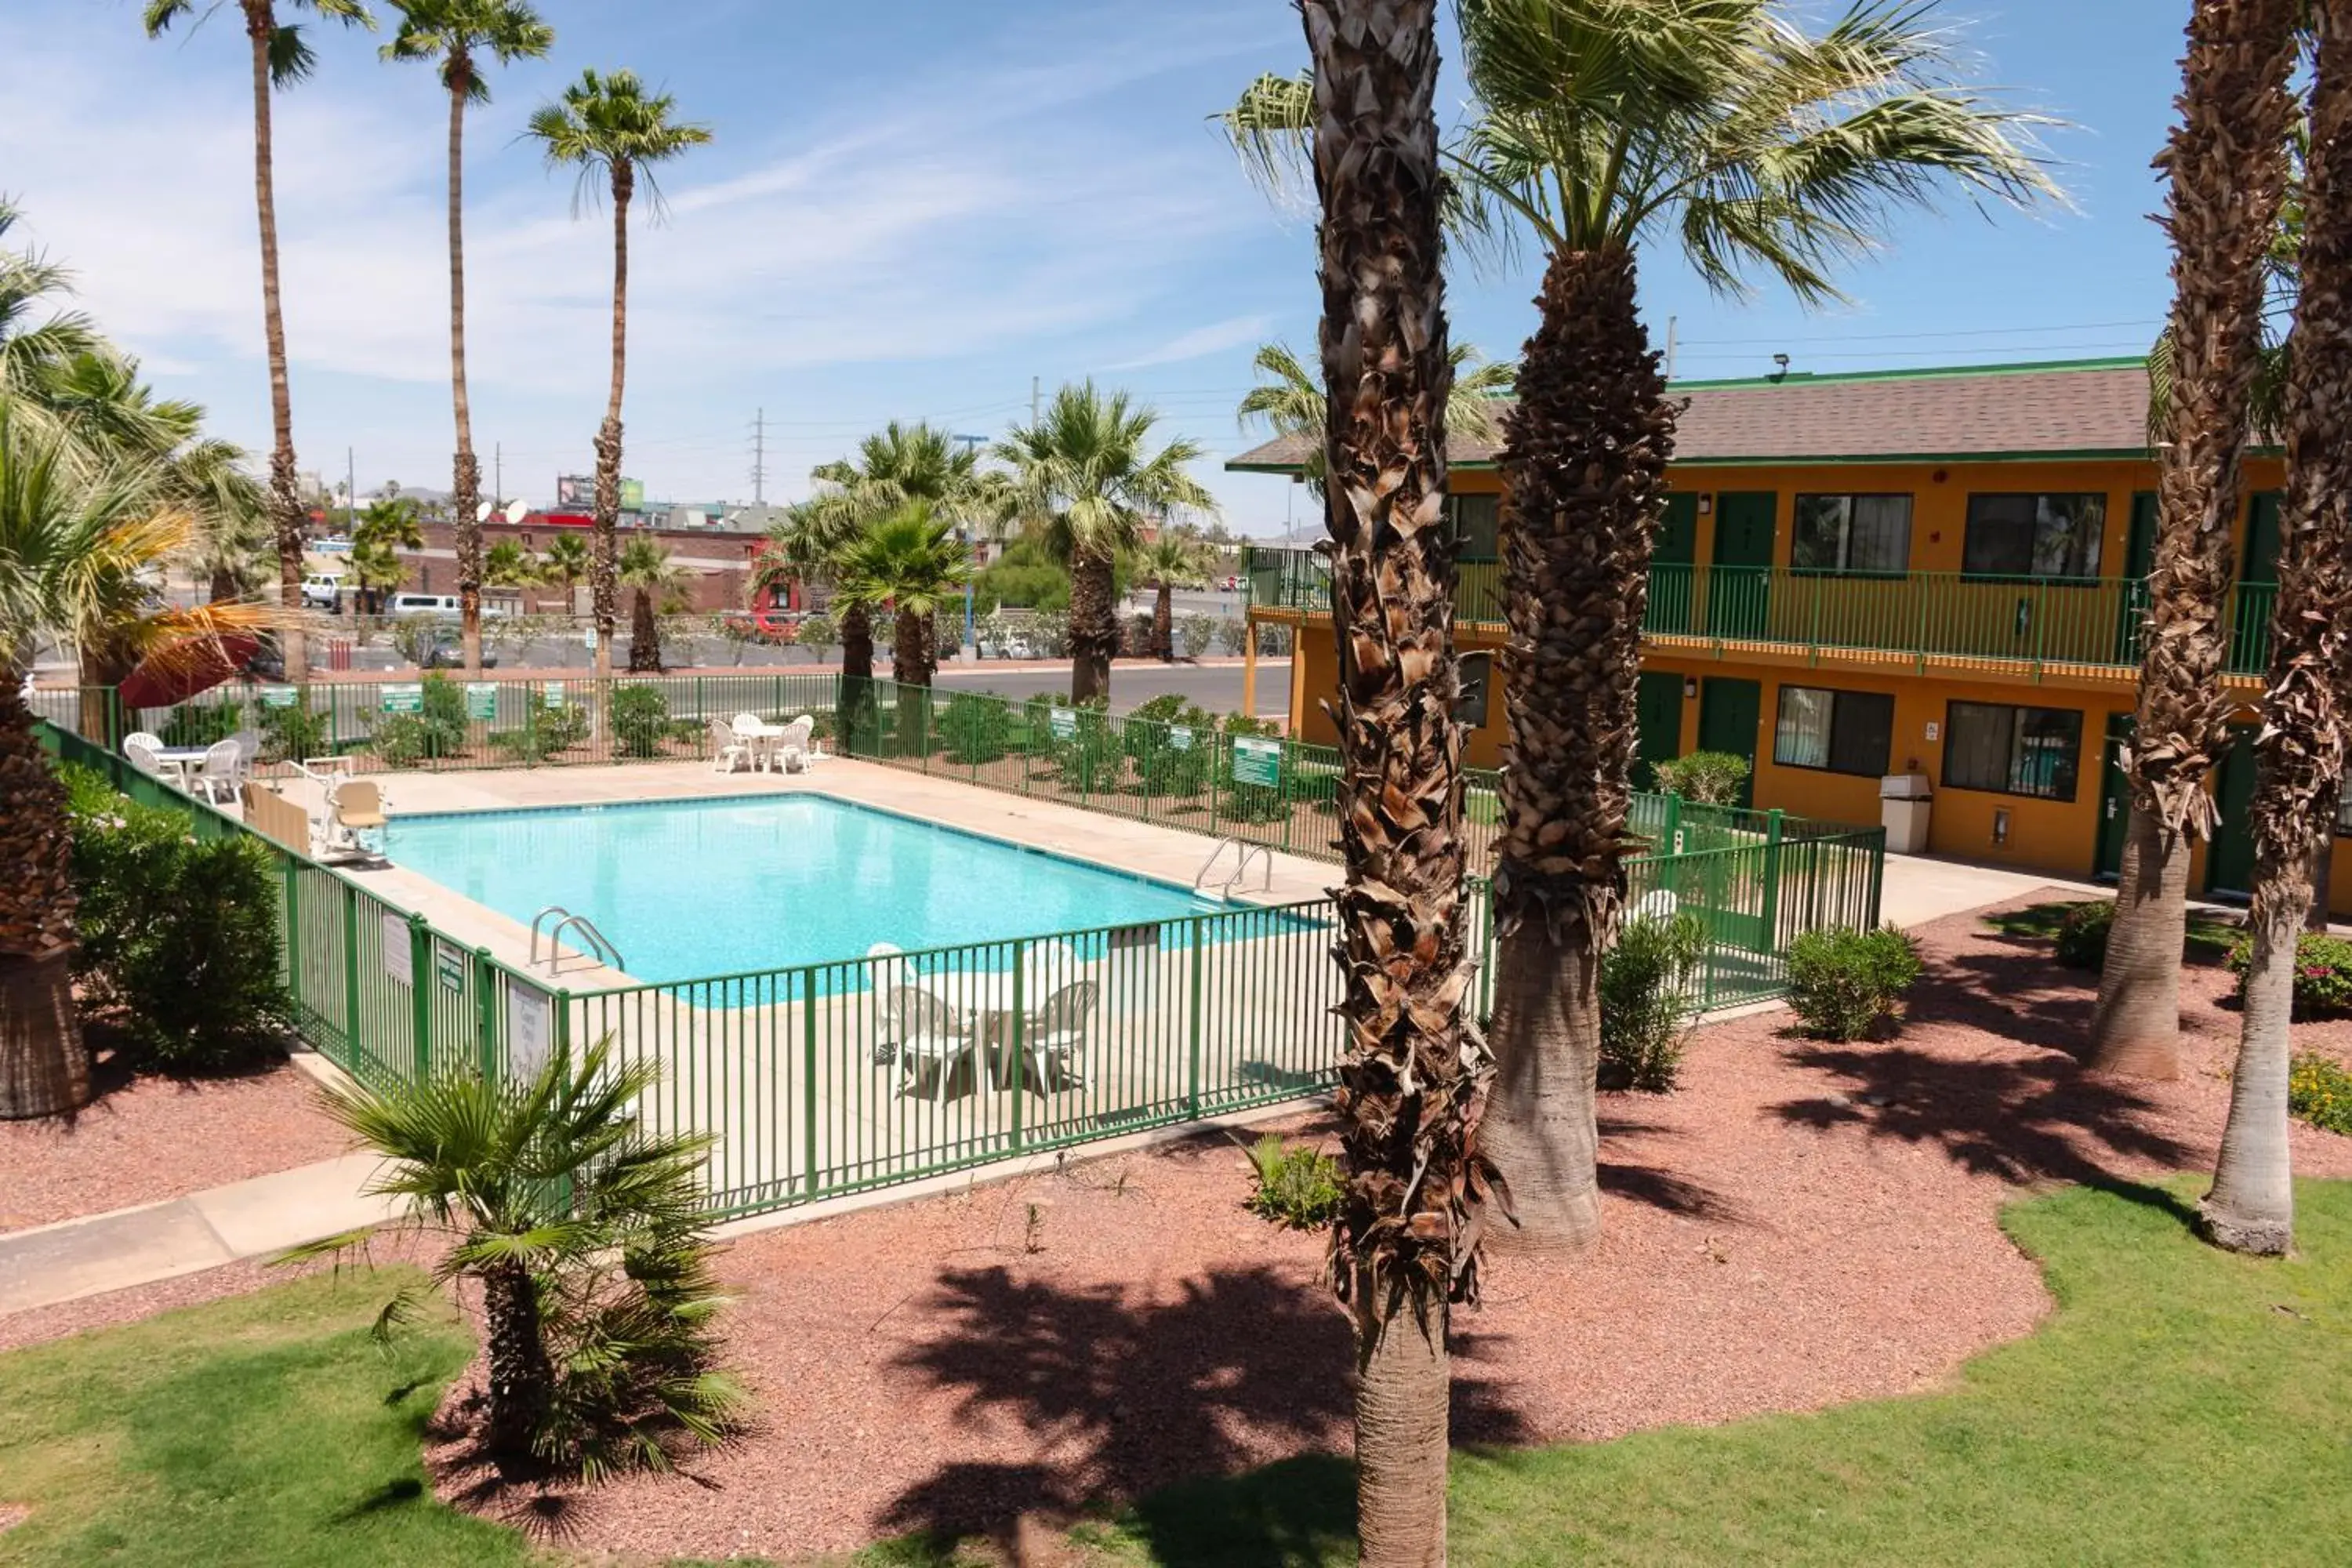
x,y
155,1138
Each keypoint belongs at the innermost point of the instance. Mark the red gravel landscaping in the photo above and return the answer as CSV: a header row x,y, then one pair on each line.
x,y
153,1138
1800,1224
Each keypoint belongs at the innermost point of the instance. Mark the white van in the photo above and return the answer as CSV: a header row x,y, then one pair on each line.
x,y
422,604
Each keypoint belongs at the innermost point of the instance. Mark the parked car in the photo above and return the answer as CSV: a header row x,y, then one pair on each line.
x,y
422,604
768,626
323,591
447,651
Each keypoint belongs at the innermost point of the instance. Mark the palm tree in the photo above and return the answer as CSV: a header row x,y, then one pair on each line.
x,y
282,56
608,125
1598,124
581,1231
1085,476
79,546
387,527
647,570
1405,1246
909,563
1176,559
28,349
1290,400
2226,165
565,560
508,564
2299,748
459,33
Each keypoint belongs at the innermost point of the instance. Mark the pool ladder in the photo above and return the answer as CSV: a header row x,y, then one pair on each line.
x,y
599,948
1244,851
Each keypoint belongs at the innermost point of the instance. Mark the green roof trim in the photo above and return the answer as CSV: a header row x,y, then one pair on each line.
x,y
1918,372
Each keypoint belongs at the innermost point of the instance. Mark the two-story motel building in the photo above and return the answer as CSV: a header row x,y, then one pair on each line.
x,y
1933,571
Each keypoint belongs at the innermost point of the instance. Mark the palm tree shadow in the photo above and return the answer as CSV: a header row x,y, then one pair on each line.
x,y
1126,1398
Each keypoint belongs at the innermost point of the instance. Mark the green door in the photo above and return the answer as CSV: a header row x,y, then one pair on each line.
x,y
2230,859
2115,799
2257,591
1740,598
2139,560
1728,712
1659,708
1671,575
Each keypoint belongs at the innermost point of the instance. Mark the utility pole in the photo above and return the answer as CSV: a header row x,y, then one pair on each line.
x,y
1670,348
350,492
760,457
1033,401
498,472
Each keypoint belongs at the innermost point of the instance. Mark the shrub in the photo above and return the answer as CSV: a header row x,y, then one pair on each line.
x,y
1196,634
1647,1006
977,729
436,730
1232,634
2322,975
1298,1186
1842,982
640,720
1706,778
550,726
1167,763
179,938
293,732
817,633
2081,936
1089,759
2319,1091
1248,802
200,724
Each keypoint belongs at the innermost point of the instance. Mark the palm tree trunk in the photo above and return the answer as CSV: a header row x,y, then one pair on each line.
x,y
289,522
910,667
2226,162
520,1378
1163,626
44,1069
1413,1080
855,714
466,478
604,565
2300,749
645,634
1585,464
1094,626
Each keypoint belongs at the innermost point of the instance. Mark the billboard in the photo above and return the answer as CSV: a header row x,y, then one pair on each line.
x,y
633,495
575,493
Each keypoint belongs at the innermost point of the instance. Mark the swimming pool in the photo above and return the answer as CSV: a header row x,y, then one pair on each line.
x,y
690,888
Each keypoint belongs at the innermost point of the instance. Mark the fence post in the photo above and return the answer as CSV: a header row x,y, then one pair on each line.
x,y
1673,836
421,980
808,1074
1772,878
1192,1053
486,1015
350,974
1020,1041
290,870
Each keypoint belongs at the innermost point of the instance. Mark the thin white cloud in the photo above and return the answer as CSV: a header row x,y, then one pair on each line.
x,y
1214,338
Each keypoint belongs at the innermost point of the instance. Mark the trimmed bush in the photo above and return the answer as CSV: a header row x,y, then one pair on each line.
x,y
2082,937
977,730
179,938
1646,1002
1298,1186
1707,778
2322,975
200,724
1247,802
640,720
2320,1091
1844,982
550,727
437,730
1168,763
294,732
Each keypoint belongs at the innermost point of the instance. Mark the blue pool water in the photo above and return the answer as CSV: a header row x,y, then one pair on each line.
x,y
690,888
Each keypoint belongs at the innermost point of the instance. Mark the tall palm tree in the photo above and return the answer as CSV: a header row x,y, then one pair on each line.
x,y
564,562
1599,124
609,126
2225,166
29,349
2299,748
282,56
79,550
459,33
658,587
1086,477
1176,559
1414,1077
911,563
1290,400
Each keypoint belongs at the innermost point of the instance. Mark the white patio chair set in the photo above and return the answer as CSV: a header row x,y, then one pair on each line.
x,y
216,771
940,1029
751,743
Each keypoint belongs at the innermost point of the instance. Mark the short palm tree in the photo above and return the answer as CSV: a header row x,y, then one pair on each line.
x,y
1290,400
2225,167
387,527
911,563
79,547
1175,559
564,563
461,34
1086,477
583,1230
607,126
507,565
282,56
2301,746
657,587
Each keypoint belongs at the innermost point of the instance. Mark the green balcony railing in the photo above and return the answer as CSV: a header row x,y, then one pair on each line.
x,y
2032,622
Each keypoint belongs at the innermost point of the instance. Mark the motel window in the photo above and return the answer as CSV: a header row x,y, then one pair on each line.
x,y
1839,731
1478,672
1478,524
2012,750
1852,533
2034,535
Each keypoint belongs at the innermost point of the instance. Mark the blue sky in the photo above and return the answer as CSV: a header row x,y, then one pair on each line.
x,y
912,207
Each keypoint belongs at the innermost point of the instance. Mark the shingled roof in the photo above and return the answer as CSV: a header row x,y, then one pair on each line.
x,y
2080,410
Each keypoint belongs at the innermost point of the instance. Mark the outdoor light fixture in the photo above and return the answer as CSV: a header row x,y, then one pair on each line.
x,y
1690,686
2000,826
1705,505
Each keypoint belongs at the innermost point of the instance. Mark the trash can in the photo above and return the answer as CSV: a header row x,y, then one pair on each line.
x,y
1903,804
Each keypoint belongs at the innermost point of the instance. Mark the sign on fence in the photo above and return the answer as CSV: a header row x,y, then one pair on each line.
x,y
449,967
529,1035
554,694
277,697
482,700
398,961
408,697
1180,737
1257,761
1063,722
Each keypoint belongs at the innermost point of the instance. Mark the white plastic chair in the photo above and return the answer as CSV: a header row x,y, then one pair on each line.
x,y
727,749
221,774
751,734
790,750
1045,968
931,1040
145,753
1056,1035
1659,904
886,972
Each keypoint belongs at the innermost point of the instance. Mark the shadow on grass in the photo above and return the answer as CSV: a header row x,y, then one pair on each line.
x,y
2208,940
1293,1512
1121,1397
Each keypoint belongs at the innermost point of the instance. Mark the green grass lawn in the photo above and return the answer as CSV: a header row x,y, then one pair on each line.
x,y
2183,1407
2207,939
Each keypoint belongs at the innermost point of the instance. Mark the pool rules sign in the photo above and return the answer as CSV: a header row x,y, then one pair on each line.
x,y
1257,761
